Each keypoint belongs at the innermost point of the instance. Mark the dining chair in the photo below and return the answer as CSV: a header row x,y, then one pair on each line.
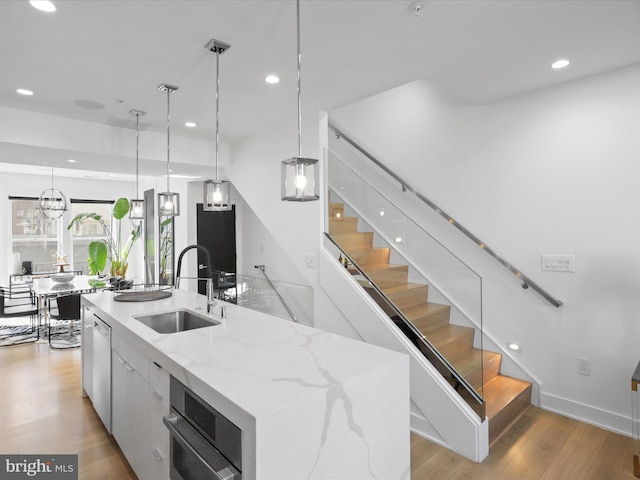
x,y
67,308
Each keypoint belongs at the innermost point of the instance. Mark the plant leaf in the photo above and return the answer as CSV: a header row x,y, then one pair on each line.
x,y
120,208
97,256
84,216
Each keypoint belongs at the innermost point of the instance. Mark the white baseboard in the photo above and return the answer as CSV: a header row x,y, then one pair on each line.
x,y
611,421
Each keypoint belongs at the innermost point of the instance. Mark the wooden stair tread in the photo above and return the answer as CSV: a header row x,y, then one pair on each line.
x,y
477,368
428,315
404,287
384,266
425,309
501,391
448,333
354,240
473,359
343,225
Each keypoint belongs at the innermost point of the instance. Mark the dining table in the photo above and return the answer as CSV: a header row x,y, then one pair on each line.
x,y
45,288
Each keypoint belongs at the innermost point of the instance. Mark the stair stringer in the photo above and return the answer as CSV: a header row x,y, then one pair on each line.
x,y
456,423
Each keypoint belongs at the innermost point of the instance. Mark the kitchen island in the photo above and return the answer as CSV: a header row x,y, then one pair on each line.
x,y
309,404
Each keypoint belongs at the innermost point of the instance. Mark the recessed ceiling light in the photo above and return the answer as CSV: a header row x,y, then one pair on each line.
x,y
272,79
71,160
560,63
398,239
190,124
24,91
44,5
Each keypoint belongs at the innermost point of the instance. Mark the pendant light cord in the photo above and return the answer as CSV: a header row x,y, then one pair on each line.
x,y
299,81
168,135
137,149
217,106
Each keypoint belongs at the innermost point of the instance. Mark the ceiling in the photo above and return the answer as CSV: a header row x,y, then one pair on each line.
x,y
96,60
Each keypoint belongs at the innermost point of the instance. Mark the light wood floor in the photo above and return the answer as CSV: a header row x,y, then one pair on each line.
x,y
43,413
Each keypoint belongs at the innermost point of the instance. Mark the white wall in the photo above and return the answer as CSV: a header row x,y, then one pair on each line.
x,y
295,227
553,171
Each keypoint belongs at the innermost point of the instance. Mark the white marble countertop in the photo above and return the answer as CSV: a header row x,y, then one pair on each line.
x,y
257,361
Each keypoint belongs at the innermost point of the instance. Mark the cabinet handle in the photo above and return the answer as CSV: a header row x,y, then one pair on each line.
x,y
157,395
121,360
129,367
156,454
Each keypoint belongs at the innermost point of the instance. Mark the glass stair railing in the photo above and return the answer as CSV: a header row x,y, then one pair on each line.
x,y
432,296
405,299
286,300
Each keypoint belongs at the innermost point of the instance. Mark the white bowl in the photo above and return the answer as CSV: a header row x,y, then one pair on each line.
x,y
64,277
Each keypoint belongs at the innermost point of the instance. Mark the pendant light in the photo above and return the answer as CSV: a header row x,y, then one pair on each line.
x,y
52,202
299,175
217,193
168,202
136,211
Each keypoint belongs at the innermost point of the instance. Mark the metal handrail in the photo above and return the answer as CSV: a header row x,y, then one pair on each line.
x,y
444,362
526,281
284,304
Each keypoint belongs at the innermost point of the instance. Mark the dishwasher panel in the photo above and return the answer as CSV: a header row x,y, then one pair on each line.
x,y
102,370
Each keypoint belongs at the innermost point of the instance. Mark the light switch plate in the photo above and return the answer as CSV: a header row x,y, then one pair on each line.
x,y
558,263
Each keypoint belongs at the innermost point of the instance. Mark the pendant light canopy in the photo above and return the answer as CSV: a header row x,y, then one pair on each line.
x,y
136,212
168,202
52,202
299,175
217,193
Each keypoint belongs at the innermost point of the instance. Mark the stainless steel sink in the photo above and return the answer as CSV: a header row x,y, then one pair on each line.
x,y
175,321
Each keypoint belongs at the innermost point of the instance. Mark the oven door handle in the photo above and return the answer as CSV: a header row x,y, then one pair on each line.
x,y
171,421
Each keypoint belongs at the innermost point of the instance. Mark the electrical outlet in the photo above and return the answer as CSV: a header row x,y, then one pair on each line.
x,y
558,263
311,260
584,366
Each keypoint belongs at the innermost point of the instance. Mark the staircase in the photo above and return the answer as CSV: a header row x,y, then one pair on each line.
x,y
506,398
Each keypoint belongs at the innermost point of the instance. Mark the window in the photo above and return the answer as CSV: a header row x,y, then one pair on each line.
x,y
88,230
34,237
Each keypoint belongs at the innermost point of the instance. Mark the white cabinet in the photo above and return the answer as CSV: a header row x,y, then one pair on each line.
x,y
137,411
101,370
87,353
159,407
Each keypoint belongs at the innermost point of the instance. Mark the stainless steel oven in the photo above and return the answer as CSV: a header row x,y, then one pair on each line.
x,y
204,444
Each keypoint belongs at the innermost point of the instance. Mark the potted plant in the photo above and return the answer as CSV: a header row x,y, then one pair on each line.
x,y
111,248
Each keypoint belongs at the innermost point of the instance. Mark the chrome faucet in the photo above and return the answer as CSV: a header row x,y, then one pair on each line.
x,y
211,301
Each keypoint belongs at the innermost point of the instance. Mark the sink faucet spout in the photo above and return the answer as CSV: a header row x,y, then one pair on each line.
x,y
211,301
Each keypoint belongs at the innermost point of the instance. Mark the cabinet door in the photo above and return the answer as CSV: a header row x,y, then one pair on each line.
x,y
119,401
87,352
130,415
159,380
159,441
138,400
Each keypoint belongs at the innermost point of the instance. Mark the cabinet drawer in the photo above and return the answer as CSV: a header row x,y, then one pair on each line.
x,y
159,380
138,360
